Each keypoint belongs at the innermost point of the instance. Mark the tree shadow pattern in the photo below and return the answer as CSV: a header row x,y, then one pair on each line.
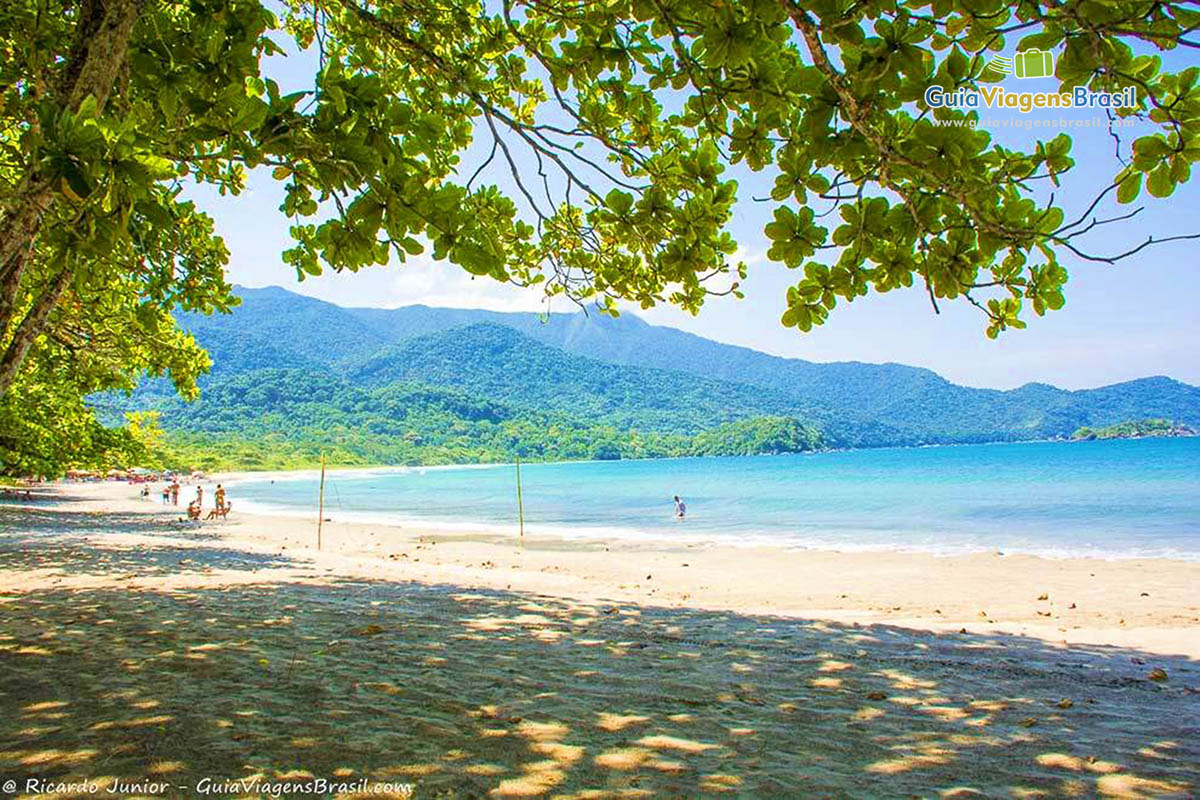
x,y
490,694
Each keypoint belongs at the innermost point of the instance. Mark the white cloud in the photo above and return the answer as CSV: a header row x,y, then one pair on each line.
x,y
419,281
750,257
427,282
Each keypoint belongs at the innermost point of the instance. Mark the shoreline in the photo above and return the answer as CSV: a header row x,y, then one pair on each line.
x,y
141,651
816,540
693,538
344,469
1148,603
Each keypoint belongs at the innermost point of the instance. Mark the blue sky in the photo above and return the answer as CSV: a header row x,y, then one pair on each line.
x,y
1131,320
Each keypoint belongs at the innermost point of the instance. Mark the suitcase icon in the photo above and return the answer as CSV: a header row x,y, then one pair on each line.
x,y
1033,64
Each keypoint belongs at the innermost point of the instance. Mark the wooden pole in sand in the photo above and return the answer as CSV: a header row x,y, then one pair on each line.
x,y
321,502
520,503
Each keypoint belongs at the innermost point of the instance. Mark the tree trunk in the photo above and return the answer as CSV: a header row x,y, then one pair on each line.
x,y
13,260
31,326
97,56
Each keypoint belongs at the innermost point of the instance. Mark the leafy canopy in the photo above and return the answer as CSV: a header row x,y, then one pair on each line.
x,y
617,122
584,147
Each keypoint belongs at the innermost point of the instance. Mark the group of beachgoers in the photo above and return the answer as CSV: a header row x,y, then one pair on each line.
x,y
170,496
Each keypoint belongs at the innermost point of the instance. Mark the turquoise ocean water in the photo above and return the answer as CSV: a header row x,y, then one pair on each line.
x,y
1128,498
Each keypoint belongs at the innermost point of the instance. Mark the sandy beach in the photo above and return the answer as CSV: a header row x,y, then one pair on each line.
x,y
1150,604
136,645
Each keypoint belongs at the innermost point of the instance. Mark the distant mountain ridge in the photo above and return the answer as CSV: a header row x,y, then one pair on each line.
x,y
629,372
492,360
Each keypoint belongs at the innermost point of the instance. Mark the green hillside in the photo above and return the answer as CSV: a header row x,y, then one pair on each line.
x,y
294,377
1135,429
495,361
856,404
285,418
276,323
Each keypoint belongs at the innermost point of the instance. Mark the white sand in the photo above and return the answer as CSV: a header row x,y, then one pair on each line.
x,y
1150,604
135,648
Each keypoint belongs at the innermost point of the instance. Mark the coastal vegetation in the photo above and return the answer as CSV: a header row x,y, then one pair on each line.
x,y
296,377
464,442
281,419
423,123
1136,429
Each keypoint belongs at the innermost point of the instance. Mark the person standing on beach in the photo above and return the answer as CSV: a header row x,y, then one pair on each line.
x,y
175,493
680,508
220,497
199,496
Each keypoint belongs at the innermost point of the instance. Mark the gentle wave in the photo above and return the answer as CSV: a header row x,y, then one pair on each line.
x,y
700,538
1125,499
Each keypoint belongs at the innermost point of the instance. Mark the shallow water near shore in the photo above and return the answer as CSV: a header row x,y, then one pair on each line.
x,y
1124,498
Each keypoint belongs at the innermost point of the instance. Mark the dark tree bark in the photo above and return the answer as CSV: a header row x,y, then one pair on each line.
x,y
97,57
32,324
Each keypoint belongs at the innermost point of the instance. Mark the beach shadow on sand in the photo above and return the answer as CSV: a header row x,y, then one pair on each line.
x,y
467,693
34,520
77,543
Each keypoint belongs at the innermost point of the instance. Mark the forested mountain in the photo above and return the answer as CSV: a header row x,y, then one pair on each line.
x,y
281,418
491,360
627,373
295,377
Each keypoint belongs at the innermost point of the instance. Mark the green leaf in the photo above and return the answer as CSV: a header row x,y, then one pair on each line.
x,y
1151,146
1159,183
74,184
1129,188
619,201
